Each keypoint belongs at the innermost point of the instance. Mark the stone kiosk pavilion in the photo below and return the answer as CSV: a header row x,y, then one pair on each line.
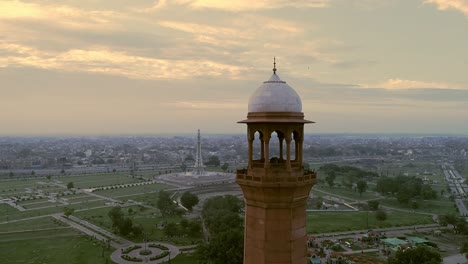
x,y
275,189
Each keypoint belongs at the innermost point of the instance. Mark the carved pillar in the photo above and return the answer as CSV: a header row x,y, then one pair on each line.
x,y
280,139
288,152
251,140
266,140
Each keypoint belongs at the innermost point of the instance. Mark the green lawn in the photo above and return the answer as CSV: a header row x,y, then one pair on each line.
x,y
14,214
183,259
345,192
34,224
432,207
51,247
324,222
148,218
133,190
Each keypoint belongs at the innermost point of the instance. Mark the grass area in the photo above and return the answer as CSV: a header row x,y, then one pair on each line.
x,y
351,194
14,215
133,190
147,218
183,259
39,205
95,180
52,247
34,224
428,206
325,222
150,198
367,258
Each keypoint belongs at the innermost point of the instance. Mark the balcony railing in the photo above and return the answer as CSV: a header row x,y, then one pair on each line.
x,y
307,176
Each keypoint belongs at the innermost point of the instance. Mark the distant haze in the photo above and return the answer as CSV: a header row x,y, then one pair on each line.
x,y
173,66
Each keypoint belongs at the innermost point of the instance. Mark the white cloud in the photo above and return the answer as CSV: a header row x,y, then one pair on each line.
x,y
106,61
207,105
460,5
63,15
241,5
408,84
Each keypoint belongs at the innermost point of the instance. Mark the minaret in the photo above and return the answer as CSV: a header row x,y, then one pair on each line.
x,y
198,168
275,189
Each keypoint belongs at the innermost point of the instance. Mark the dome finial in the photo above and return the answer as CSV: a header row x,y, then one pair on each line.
x,y
274,65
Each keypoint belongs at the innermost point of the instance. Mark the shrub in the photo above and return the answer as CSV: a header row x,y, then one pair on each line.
x,y
133,259
145,252
159,246
160,256
130,249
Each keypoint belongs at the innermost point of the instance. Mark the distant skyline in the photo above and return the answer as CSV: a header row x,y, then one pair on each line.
x,y
172,66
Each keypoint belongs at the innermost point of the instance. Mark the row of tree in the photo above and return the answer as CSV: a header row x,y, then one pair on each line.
x,y
123,225
222,218
405,188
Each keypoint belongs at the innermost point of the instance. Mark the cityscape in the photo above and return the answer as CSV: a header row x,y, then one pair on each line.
x,y
233,132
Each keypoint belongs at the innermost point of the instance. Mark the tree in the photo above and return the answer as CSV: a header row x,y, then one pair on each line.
x,y
183,167
381,215
126,226
373,205
68,211
62,171
414,205
420,255
464,249
48,177
171,229
137,230
165,204
11,174
225,166
189,200
33,173
319,202
361,186
213,161
330,179
116,216
222,218
70,185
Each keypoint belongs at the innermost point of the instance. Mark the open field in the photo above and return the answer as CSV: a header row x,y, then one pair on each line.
x,y
325,222
51,246
346,192
34,224
95,180
149,219
425,206
133,190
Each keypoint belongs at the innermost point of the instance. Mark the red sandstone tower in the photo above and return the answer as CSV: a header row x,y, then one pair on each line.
x,y
275,185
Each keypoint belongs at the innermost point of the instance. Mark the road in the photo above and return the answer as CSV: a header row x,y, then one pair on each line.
x,y
457,187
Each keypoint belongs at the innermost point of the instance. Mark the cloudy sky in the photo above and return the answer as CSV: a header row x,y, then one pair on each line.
x,y
172,66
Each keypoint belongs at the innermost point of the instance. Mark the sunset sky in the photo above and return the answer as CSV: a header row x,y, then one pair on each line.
x,y
173,66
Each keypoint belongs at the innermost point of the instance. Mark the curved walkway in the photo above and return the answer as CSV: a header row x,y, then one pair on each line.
x,y
117,255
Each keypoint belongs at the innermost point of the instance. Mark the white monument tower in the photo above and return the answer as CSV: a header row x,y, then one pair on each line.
x,y
198,168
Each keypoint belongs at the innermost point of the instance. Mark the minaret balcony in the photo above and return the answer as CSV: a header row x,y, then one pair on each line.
x,y
244,176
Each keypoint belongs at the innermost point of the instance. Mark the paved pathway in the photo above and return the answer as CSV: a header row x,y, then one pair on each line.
x,y
455,259
173,252
85,230
96,228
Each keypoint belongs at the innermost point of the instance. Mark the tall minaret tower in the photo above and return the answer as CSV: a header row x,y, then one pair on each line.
x,y
275,188
198,168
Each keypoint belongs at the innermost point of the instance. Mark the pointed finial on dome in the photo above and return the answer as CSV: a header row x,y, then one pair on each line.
x,y
274,65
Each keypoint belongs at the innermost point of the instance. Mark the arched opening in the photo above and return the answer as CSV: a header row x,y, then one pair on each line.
x,y
277,147
294,137
257,146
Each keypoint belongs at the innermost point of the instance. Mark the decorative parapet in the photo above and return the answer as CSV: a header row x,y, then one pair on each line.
x,y
308,176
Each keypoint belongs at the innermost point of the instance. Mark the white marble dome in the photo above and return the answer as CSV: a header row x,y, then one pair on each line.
x,y
275,95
